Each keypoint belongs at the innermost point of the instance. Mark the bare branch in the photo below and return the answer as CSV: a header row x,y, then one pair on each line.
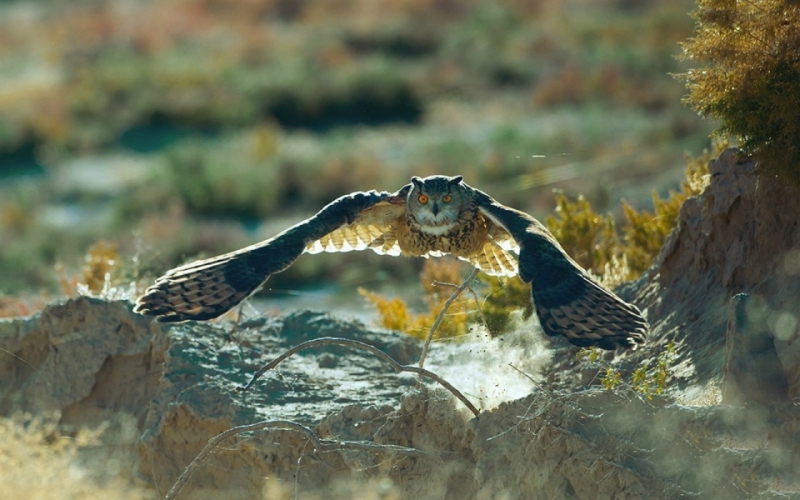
x,y
366,347
319,446
216,440
436,323
523,374
474,297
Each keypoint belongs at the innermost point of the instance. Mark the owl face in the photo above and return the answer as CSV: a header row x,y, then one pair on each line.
x,y
435,202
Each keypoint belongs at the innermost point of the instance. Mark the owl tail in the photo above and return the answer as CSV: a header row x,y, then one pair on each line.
x,y
201,290
587,314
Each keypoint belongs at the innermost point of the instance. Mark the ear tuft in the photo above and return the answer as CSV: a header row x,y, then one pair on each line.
x,y
417,181
455,180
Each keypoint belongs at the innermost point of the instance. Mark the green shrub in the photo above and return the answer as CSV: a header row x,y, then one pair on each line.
x,y
230,176
394,313
589,238
749,76
503,296
649,378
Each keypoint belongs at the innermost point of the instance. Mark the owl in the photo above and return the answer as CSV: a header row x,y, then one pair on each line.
x,y
429,217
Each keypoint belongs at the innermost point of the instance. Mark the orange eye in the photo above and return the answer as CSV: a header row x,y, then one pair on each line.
x,y
447,198
422,199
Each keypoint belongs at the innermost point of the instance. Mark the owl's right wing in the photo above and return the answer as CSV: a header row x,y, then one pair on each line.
x,y
568,301
495,257
208,288
371,229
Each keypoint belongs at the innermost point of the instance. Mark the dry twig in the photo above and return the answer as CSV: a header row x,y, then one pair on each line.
x,y
439,318
366,347
216,440
319,446
474,297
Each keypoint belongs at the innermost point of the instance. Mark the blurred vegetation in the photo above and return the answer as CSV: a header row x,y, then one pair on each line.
x,y
749,76
502,298
181,129
82,75
43,460
616,255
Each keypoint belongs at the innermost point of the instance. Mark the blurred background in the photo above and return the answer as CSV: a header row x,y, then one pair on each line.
x,y
147,133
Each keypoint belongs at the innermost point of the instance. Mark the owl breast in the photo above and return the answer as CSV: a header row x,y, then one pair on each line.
x,y
462,239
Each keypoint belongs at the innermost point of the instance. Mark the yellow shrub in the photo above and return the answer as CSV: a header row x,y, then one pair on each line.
x,y
436,274
646,379
502,297
588,237
40,460
102,274
594,242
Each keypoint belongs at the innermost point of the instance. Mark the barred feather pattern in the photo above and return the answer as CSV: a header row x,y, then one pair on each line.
x,y
208,288
358,236
199,290
495,257
567,300
485,233
570,303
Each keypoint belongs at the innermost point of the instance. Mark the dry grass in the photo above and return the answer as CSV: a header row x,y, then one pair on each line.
x,y
38,460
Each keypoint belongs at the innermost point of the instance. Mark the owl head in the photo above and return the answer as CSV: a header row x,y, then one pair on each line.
x,y
436,201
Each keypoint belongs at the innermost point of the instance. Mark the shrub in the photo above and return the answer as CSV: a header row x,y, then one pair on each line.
x,y
104,274
503,296
749,76
649,378
594,241
41,459
588,237
230,176
394,313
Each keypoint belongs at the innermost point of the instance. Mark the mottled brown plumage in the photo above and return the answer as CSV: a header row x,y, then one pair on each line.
x,y
430,217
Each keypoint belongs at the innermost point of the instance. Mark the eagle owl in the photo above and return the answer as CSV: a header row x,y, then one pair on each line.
x,y
433,216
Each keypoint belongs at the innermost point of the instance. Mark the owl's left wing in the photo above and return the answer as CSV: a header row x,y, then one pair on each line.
x,y
208,288
567,300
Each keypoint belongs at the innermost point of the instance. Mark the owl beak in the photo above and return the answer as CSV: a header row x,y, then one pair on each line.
x,y
435,209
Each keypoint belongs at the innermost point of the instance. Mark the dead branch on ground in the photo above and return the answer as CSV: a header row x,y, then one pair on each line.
x,y
366,347
332,445
320,446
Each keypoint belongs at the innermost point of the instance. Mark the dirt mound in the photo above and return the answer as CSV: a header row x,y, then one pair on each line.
x,y
741,237
724,290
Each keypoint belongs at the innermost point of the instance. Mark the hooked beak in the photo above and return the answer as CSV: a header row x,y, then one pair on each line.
x,y
435,209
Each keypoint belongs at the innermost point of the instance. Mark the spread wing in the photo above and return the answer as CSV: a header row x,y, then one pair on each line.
x,y
372,229
567,300
208,288
495,257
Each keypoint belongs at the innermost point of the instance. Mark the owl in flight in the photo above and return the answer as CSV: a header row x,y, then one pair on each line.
x,y
433,216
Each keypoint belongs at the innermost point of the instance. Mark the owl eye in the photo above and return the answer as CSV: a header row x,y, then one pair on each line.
x,y
447,198
422,199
